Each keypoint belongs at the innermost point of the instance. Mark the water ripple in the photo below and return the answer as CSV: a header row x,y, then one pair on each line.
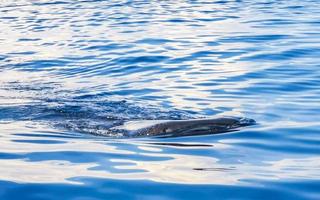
x,y
70,69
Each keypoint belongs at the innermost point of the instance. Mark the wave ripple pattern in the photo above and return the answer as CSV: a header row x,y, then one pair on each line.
x,y
70,70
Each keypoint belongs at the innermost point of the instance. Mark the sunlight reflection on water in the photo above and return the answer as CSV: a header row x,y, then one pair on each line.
x,y
69,68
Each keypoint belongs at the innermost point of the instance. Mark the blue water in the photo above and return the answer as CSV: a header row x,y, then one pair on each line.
x,y
68,67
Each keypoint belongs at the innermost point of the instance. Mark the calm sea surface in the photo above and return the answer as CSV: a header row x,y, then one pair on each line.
x,y
67,67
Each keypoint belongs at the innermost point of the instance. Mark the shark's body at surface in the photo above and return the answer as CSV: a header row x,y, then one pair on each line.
x,y
175,128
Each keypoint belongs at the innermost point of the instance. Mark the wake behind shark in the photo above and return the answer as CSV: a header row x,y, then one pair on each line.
x,y
118,118
98,115
176,128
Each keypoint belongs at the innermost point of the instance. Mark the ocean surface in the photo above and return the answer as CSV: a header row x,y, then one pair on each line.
x,y
68,67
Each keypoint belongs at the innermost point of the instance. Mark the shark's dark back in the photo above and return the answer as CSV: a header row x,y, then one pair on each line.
x,y
182,127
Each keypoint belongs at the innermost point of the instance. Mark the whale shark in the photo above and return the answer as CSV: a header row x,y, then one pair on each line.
x,y
174,128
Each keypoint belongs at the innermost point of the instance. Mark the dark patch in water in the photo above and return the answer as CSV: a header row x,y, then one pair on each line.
x,y
214,169
181,144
